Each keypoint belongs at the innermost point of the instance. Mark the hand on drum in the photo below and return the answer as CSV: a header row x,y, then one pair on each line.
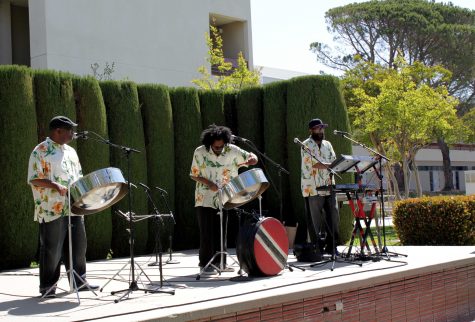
x,y
251,161
60,188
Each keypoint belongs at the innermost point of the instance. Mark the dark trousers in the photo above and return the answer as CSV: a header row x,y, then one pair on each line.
x,y
210,235
322,215
54,249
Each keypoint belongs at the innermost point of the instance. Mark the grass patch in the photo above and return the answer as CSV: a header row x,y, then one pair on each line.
x,y
392,239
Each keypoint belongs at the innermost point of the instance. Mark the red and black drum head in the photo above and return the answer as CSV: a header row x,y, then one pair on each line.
x,y
263,247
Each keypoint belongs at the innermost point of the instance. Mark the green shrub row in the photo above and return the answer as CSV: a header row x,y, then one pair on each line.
x,y
164,125
436,220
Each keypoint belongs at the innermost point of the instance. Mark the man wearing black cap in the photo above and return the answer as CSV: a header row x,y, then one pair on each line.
x,y
314,175
53,166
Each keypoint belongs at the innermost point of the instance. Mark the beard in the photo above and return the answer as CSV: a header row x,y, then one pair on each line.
x,y
318,136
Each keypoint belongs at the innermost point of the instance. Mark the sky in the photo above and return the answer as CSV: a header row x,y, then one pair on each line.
x,y
282,31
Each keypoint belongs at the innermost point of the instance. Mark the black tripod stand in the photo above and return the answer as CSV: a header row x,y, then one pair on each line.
x,y
133,286
158,243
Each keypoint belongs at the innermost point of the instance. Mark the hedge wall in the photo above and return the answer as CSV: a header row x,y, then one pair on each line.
x,y
212,108
91,116
126,129
54,96
187,121
18,137
230,117
160,146
275,134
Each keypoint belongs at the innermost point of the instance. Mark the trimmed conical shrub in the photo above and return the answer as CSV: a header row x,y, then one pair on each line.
x,y
187,121
275,138
126,132
212,108
160,145
91,116
18,134
54,96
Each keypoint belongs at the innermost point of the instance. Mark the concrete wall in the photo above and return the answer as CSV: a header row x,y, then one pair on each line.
x,y
148,40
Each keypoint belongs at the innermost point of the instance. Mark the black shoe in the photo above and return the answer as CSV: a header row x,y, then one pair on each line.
x,y
50,295
88,287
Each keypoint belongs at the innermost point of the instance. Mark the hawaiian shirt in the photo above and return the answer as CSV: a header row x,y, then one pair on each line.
x,y
219,169
311,177
58,163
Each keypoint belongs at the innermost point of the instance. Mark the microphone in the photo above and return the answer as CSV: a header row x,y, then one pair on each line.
x,y
144,186
341,132
80,135
238,138
161,190
303,146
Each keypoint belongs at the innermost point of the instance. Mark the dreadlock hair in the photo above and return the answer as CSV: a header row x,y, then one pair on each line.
x,y
215,133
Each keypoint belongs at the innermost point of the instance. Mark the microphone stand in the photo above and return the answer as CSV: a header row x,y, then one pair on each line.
x,y
163,194
280,169
384,249
133,283
158,243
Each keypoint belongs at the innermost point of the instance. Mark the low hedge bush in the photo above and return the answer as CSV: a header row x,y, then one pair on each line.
x,y
443,220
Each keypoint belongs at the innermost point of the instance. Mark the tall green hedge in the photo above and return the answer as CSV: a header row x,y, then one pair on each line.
x,y
54,96
249,115
160,145
91,116
18,231
310,97
275,136
126,129
212,108
230,117
187,121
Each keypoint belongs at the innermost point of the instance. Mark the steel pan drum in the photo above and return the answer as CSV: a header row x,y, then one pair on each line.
x,y
244,188
97,191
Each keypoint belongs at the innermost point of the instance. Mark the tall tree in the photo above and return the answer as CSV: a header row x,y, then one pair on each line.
x,y
419,30
399,111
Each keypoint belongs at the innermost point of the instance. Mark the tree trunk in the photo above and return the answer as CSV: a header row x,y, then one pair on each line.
x,y
418,179
444,148
405,171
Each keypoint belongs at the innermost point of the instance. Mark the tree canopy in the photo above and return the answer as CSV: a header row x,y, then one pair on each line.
x,y
399,110
419,30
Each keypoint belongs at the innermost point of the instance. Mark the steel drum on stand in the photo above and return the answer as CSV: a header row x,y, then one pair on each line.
x,y
97,191
244,188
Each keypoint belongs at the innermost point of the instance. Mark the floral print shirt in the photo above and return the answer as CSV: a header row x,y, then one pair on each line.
x,y
312,178
58,163
219,169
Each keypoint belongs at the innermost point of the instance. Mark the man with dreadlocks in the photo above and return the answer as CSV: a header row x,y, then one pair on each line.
x,y
214,164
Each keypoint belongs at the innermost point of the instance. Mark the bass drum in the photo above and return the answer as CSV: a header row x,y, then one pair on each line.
x,y
97,191
263,247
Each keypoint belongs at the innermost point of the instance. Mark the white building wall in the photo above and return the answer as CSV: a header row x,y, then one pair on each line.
x,y
154,41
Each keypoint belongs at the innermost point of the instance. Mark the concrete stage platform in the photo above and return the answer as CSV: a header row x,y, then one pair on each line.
x,y
430,284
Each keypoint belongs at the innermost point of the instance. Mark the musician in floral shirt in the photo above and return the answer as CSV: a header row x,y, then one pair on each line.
x,y
321,208
214,164
53,165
